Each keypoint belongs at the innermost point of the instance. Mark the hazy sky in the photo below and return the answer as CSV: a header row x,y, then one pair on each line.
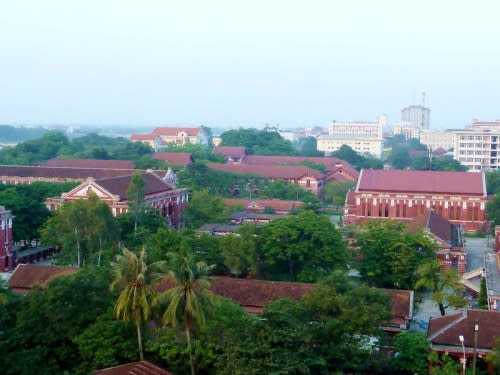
x,y
244,63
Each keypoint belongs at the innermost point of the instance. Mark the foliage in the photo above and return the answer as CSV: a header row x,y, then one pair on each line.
x,y
493,210
203,208
357,160
399,157
411,353
239,250
134,280
135,197
189,301
106,343
445,285
493,182
482,299
443,364
494,356
308,146
438,163
10,134
82,228
46,323
390,255
258,142
304,247
335,192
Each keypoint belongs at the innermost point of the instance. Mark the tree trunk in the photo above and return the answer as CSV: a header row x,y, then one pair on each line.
x,y
100,251
442,310
188,339
139,340
77,248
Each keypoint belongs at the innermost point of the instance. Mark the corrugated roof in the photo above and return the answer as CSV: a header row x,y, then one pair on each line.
x,y
446,330
119,185
467,183
26,276
270,171
91,163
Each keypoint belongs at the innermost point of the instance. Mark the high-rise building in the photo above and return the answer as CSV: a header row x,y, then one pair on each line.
x,y
417,115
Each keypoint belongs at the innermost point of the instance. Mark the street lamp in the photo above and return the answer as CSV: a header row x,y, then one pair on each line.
x,y
464,360
476,329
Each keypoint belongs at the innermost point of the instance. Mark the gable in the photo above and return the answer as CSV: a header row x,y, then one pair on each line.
x,y
89,186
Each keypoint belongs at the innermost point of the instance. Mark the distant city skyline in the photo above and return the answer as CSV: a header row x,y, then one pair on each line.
x,y
228,64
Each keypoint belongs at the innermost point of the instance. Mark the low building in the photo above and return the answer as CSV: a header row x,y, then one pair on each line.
x,y
26,276
257,218
231,154
361,144
278,206
438,139
8,259
445,333
176,159
478,148
307,178
180,136
217,229
447,236
169,202
402,195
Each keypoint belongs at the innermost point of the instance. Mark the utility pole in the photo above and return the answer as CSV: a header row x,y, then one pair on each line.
x,y
476,329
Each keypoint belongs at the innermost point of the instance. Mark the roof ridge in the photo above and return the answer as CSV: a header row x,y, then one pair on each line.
x,y
462,316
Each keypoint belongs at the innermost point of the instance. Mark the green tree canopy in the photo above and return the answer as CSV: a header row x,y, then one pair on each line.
x,y
258,142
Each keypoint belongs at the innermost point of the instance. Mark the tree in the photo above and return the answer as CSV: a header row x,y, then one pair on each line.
x,y
443,364
189,301
306,246
134,279
399,157
83,226
493,210
203,208
239,250
493,182
335,193
258,142
482,300
357,160
135,197
445,285
309,147
390,255
412,351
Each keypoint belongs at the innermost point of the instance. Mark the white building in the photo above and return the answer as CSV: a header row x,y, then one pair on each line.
x,y
477,149
487,125
363,137
417,115
436,139
406,129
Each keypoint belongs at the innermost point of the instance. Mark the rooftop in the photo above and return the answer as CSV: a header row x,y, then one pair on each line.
x,y
438,226
26,276
134,368
460,183
492,267
269,171
234,152
175,131
175,158
91,163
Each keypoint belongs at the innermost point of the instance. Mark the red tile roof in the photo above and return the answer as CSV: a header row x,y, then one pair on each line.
x,y
91,163
276,204
41,172
175,158
119,185
253,295
431,221
142,137
26,276
269,171
446,330
439,151
329,162
466,183
134,368
234,152
172,132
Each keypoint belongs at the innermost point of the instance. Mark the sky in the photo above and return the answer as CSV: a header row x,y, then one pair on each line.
x,y
246,63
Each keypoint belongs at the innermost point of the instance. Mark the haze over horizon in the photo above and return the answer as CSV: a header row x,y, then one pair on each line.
x,y
230,64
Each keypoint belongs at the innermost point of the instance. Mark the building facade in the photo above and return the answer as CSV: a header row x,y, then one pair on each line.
x,y
478,149
402,195
169,202
407,130
417,115
438,139
165,136
7,254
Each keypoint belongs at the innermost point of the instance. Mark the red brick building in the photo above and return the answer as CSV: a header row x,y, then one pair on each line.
x,y
169,201
402,195
7,254
447,236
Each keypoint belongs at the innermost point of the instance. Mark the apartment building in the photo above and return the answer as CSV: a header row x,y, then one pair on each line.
x,y
407,130
363,137
437,139
417,115
478,148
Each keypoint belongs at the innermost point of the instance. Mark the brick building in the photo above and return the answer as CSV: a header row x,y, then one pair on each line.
x,y
7,254
402,195
169,201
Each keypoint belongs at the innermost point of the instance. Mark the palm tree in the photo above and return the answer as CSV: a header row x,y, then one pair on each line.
x,y
189,300
133,278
